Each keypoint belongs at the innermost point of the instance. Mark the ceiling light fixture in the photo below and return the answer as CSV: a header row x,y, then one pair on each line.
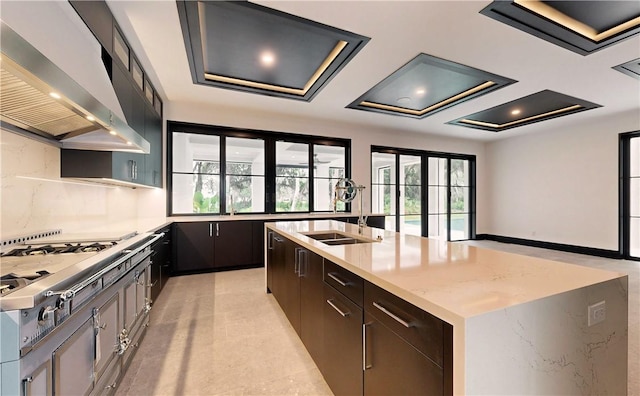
x,y
112,132
420,91
498,126
55,95
91,118
267,59
432,107
515,112
549,12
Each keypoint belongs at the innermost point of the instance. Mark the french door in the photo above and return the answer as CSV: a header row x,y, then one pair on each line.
x,y
424,193
630,194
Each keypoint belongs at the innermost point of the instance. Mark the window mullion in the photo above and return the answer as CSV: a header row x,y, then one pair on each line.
x,y
448,199
222,185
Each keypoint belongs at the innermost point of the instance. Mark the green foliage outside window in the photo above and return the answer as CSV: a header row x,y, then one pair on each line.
x,y
292,189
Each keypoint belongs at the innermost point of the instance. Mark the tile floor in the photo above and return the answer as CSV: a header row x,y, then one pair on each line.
x,y
220,334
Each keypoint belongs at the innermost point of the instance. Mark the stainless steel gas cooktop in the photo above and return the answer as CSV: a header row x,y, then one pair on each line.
x,y
22,265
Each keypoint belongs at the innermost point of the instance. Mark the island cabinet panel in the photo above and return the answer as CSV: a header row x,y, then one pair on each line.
x,y
294,277
364,339
406,348
286,282
342,368
311,304
344,281
213,246
395,367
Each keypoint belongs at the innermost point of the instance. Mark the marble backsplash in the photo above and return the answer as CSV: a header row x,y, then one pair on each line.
x,y
34,198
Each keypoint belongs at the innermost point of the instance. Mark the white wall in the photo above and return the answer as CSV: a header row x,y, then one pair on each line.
x,y
559,186
33,197
361,140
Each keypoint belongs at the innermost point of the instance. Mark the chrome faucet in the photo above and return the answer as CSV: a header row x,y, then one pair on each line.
x,y
362,220
346,190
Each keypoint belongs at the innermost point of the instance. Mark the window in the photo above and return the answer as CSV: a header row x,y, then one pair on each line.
x,y
244,170
450,193
218,170
328,168
410,198
437,197
433,196
630,197
292,177
383,187
196,174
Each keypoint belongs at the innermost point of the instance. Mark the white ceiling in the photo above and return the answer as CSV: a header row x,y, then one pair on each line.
x,y
453,30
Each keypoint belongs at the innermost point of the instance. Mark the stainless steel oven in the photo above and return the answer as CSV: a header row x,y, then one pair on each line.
x,y
72,332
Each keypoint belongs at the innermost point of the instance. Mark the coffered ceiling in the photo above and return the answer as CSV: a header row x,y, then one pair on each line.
x,y
451,32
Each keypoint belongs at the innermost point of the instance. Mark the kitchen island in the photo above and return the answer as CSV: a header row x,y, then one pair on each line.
x,y
520,325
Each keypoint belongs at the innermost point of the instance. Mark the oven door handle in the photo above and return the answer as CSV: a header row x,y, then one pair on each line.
x,y
70,293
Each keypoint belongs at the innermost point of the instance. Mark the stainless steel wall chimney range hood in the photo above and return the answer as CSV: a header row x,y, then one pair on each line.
x,y
37,96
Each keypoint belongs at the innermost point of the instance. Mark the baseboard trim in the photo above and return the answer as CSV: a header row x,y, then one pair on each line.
x,y
612,254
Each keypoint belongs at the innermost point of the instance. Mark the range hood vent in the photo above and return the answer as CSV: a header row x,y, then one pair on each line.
x,y
38,97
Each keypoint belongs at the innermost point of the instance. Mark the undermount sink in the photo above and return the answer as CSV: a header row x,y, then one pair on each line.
x,y
337,238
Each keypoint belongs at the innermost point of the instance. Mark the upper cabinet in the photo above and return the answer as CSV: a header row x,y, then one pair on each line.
x,y
97,16
140,103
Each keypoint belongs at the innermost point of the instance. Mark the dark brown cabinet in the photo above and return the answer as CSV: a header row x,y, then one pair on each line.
x,y
207,246
395,367
233,242
364,340
194,246
407,350
294,276
160,263
342,365
311,303
285,279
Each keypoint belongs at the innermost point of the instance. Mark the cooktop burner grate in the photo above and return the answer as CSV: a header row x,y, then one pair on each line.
x,y
67,248
12,282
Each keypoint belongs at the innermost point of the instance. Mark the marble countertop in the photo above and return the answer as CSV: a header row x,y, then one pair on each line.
x,y
268,217
452,281
153,224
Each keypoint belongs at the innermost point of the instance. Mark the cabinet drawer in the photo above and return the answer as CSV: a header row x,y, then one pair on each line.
x,y
342,355
348,283
419,328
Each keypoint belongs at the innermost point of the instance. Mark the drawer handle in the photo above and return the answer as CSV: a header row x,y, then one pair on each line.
x,y
393,316
335,278
365,366
334,306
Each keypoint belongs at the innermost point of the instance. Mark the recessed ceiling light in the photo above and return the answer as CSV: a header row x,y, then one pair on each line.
x,y
515,112
420,91
267,59
55,95
90,118
112,132
129,143
404,100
